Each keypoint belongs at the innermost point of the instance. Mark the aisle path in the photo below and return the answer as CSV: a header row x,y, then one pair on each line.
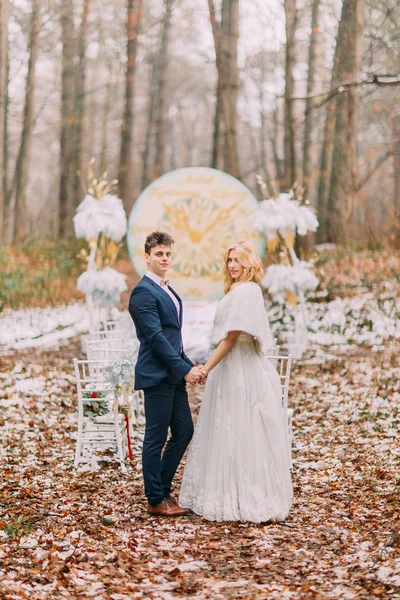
x,y
87,535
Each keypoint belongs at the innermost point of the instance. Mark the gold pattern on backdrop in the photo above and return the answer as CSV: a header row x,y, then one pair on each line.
x,y
204,210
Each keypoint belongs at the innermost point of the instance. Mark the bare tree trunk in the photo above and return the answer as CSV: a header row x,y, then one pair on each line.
x,y
172,145
308,115
66,203
159,165
279,167
8,228
104,125
289,139
228,77
395,211
230,30
146,177
269,180
396,161
126,174
80,80
326,165
4,15
217,126
22,163
342,187
218,157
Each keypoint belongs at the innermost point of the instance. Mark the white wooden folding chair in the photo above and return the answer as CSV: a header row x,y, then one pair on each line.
x,y
283,365
101,335
108,350
110,324
273,352
106,431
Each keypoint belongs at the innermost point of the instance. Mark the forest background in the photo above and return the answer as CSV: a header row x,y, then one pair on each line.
x,y
303,93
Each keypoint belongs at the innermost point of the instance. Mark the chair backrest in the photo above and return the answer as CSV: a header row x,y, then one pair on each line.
x,y
98,351
283,365
110,325
273,352
110,342
90,375
104,334
90,382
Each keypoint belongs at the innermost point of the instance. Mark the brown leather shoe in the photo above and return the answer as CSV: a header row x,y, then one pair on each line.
x,y
166,508
174,501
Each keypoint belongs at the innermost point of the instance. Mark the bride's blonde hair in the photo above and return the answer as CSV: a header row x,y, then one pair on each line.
x,y
248,257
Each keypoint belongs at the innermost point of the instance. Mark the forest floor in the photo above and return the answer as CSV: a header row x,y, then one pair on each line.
x,y
86,534
68,534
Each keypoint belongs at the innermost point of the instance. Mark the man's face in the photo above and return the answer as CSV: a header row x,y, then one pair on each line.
x,y
159,260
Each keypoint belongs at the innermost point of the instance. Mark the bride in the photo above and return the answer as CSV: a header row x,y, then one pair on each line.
x,y
238,466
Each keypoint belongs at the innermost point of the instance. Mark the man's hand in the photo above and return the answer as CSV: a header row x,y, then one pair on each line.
x,y
194,376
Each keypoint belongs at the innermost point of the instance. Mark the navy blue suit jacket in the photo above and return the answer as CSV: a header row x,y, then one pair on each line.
x,y
158,328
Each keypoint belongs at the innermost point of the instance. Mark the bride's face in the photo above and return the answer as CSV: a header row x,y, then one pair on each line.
x,y
235,268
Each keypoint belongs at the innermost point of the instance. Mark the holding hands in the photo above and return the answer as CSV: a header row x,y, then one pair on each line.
x,y
196,375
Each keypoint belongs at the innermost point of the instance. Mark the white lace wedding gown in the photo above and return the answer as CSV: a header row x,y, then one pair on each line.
x,y
238,466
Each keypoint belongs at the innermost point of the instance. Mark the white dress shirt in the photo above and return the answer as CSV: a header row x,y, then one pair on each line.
x,y
157,279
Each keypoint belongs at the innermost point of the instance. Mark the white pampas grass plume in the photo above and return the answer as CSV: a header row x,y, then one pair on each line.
x,y
279,278
106,216
104,286
284,214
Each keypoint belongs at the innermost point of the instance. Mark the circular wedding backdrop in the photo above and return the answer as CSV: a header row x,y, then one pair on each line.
x,y
205,211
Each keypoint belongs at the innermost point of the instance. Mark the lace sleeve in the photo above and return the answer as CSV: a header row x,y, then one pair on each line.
x,y
243,310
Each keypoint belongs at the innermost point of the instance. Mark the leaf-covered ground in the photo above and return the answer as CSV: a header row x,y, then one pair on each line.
x,y
87,534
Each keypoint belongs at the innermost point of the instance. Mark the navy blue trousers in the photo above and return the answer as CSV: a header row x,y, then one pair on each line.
x,y
166,407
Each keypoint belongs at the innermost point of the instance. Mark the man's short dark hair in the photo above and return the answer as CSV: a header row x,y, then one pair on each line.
x,y
157,238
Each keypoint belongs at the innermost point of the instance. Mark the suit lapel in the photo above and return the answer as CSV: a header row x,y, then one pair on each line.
x,y
180,304
165,296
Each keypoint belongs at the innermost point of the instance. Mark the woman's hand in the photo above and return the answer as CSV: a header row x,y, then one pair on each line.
x,y
204,371
222,350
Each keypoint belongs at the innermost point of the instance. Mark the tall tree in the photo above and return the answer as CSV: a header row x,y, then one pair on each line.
x,y
309,115
22,163
4,15
67,163
290,57
161,124
79,117
326,157
343,173
126,172
396,161
108,94
269,180
225,42
146,171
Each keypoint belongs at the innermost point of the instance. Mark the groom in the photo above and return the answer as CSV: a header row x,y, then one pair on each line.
x,y
162,371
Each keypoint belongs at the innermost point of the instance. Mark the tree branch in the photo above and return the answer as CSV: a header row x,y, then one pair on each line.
x,y
380,80
378,164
